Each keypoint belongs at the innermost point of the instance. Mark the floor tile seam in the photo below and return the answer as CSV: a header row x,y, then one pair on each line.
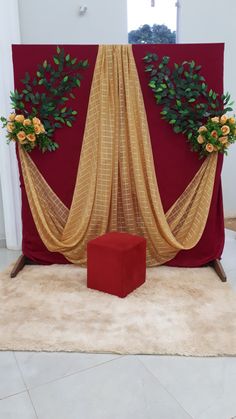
x,y
145,401
32,403
205,410
162,385
19,369
34,387
13,394
217,398
23,382
27,390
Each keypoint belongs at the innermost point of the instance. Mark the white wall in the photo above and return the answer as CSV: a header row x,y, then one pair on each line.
x,y
2,228
214,21
56,21
9,179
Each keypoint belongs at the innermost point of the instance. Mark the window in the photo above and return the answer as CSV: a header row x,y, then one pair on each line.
x,y
152,21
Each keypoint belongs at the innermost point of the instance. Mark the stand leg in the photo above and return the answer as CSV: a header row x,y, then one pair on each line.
x,y
216,264
20,263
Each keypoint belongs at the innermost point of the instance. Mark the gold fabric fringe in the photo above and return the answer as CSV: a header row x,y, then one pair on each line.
x,y
116,187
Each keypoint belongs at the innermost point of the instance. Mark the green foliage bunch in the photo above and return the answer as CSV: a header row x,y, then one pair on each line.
x,y
187,102
45,95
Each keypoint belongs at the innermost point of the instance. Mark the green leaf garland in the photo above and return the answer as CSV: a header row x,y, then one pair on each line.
x,y
187,102
44,96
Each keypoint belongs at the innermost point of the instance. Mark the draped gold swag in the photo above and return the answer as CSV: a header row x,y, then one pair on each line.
x,y
116,187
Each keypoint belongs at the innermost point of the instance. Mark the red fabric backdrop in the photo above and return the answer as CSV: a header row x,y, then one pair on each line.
x,y
175,164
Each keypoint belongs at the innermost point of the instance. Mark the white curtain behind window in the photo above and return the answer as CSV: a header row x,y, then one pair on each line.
x,y
9,178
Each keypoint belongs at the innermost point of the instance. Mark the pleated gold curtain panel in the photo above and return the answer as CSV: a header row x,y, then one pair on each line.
x,y
116,187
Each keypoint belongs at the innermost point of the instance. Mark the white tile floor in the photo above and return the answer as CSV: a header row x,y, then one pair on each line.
x,y
94,386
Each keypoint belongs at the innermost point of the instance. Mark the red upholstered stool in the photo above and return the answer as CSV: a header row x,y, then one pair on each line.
x,y
116,263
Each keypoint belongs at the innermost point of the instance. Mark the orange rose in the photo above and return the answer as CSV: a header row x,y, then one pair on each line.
x,y
21,136
12,117
42,129
10,126
31,137
232,120
37,129
223,140
209,147
225,129
223,119
214,134
215,119
200,139
36,121
20,118
27,122
202,129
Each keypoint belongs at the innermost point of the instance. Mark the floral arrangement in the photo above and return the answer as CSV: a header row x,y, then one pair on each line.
x,y
41,106
28,132
217,134
189,106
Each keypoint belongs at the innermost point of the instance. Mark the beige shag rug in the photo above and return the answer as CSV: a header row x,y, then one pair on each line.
x,y
177,311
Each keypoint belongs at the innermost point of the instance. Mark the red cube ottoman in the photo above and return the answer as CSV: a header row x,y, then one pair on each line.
x,y
116,263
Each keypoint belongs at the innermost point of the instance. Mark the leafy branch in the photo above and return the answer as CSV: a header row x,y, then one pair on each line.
x,y
184,95
46,94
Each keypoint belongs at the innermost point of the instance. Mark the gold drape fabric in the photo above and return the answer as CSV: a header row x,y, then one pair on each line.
x,y
116,187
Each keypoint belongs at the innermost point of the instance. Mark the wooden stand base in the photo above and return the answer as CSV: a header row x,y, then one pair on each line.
x,y
23,260
216,265
19,265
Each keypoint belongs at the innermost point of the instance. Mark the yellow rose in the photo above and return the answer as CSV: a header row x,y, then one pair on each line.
x,y
200,139
209,147
12,117
10,126
42,129
202,129
223,140
37,129
223,119
19,118
36,121
21,137
225,129
27,122
232,120
215,119
214,134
